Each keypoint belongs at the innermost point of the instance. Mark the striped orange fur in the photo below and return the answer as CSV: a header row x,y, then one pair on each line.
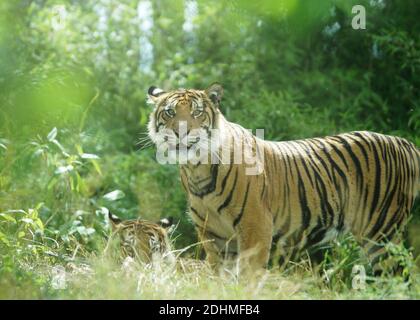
x,y
309,190
141,239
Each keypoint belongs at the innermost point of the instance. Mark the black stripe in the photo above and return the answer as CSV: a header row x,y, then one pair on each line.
x,y
209,188
355,160
214,235
239,217
286,194
377,186
211,233
321,190
316,153
158,115
340,154
388,161
317,234
229,197
362,148
306,212
335,167
213,116
196,182
194,211
277,236
223,185
323,199
406,166
394,222
364,192
289,165
359,134
383,214
303,161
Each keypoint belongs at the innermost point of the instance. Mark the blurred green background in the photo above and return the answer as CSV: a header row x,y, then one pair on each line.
x,y
73,82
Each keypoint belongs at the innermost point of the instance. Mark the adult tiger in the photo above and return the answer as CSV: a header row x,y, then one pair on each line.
x,y
307,191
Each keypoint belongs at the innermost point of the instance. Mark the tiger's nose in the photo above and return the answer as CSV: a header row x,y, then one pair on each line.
x,y
176,131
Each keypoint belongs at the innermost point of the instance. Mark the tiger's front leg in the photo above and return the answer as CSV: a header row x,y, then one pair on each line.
x,y
255,231
212,255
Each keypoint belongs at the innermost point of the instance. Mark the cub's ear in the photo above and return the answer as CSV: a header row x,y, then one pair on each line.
x,y
166,222
215,93
153,94
115,221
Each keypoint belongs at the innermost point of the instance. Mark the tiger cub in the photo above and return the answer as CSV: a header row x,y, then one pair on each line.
x,y
142,239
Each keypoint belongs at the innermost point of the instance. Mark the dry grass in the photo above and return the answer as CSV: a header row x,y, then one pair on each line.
x,y
104,277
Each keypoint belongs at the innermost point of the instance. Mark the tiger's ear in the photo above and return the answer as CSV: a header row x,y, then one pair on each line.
x,y
166,222
215,93
115,221
153,94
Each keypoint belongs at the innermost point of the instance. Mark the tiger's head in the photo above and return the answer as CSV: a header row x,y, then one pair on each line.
x,y
184,120
142,239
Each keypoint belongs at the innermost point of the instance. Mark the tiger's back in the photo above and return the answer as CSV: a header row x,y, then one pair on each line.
x,y
359,182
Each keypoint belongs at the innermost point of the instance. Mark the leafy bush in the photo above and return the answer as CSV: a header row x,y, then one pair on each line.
x,y
73,83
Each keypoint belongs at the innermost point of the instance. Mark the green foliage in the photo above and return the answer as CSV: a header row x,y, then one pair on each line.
x,y
72,108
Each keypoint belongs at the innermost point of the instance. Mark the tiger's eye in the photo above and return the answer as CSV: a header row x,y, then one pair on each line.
x,y
197,113
170,113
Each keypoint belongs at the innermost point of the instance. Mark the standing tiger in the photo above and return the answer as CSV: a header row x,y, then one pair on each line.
x,y
306,191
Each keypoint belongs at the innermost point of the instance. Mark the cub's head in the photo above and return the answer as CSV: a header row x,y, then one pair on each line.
x,y
140,238
185,119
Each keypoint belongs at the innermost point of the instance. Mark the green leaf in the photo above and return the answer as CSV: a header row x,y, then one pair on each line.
x,y
52,183
27,220
4,239
58,144
33,213
53,133
4,143
15,211
39,224
7,217
97,167
114,195
64,169
89,156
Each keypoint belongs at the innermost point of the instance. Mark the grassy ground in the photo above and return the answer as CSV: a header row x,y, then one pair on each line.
x,y
107,276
